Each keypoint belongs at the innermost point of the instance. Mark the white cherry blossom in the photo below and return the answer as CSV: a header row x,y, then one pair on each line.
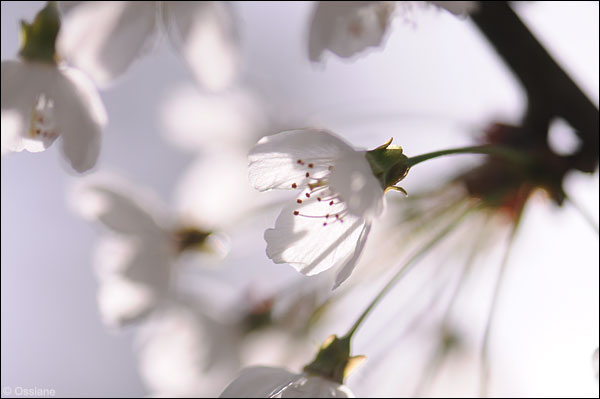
x,y
136,262
348,27
329,222
103,38
42,99
42,102
271,382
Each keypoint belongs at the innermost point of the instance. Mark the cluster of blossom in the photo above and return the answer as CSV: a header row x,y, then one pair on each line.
x,y
188,343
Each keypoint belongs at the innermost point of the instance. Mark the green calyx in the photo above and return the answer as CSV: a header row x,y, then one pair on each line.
x,y
333,361
389,165
38,39
191,238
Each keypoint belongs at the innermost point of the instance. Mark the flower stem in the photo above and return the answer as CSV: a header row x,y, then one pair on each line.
x,y
504,152
485,361
406,267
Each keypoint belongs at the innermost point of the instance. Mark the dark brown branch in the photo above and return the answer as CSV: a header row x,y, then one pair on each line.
x,y
551,93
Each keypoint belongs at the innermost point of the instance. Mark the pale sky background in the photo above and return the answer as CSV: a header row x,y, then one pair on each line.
x,y
435,84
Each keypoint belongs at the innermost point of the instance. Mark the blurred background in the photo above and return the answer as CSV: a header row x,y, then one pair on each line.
x,y
436,83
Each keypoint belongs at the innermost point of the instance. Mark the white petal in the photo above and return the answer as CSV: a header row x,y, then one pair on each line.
x,y
119,209
173,352
73,110
316,387
66,6
306,243
133,276
346,271
17,102
347,28
258,382
151,267
205,34
104,37
183,353
353,179
80,117
273,162
12,128
458,7
122,302
22,85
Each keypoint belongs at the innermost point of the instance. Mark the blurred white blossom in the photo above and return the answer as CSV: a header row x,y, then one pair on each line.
x,y
348,27
328,224
271,382
135,263
43,100
103,38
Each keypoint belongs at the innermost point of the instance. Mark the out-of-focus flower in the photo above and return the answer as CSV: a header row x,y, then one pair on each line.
x,y
136,263
42,101
104,38
329,222
346,27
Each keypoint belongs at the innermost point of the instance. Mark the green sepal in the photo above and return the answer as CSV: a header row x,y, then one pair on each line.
x,y
38,39
333,361
388,163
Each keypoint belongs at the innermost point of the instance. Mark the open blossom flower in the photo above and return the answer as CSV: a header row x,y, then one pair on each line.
x,y
104,38
271,382
339,196
42,101
135,264
348,27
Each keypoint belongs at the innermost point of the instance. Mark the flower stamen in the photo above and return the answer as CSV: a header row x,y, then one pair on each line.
x,y
317,185
42,123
